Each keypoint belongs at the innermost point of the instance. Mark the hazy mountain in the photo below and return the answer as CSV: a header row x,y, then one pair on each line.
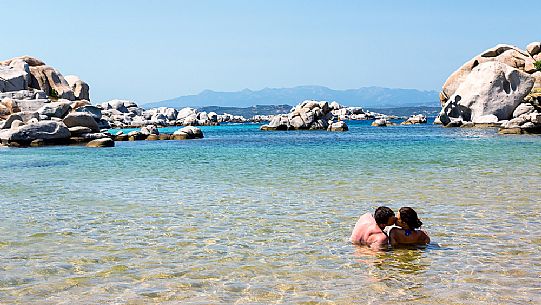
x,y
249,112
365,97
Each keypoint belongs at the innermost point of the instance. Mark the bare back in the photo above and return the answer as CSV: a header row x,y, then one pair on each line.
x,y
367,232
414,237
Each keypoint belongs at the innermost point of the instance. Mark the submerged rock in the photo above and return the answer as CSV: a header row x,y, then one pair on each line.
x,y
104,142
338,126
415,119
188,132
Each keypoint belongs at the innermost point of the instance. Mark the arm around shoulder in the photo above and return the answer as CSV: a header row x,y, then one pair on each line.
x,y
379,242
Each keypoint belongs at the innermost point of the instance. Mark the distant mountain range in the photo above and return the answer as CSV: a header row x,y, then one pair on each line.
x,y
366,97
249,112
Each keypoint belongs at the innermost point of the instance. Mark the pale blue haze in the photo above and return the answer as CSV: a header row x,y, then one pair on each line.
x,y
155,50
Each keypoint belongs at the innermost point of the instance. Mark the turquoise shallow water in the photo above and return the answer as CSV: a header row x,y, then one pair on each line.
x,y
248,217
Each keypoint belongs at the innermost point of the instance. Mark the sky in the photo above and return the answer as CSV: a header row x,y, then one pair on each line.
x,y
149,51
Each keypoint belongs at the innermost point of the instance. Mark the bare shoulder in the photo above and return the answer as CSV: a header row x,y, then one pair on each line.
x,y
394,236
424,238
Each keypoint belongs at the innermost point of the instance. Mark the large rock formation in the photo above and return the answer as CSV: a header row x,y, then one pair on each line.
x,y
309,114
36,101
488,89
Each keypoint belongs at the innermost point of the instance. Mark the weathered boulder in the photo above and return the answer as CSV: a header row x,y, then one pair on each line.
x,y
190,120
47,130
94,111
81,119
486,119
16,124
31,61
13,79
10,119
535,117
8,106
55,109
121,137
534,48
213,116
79,104
415,119
79,130
136,135
537,77
93,136
338,126
523,108
491,88
382,123
185,112
150,129
48,79
122,106
166,112
179,136
507,54
80,88
334,105
191,132
164,136
103,142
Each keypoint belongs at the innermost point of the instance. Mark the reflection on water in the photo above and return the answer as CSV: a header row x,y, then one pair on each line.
x,y
249,217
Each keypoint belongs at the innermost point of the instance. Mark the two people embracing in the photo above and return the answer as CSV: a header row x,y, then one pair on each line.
x,y
383,228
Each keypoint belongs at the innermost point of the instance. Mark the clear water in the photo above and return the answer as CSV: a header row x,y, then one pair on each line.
x,y
250,217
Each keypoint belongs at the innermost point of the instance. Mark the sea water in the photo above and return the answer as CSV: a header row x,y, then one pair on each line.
x,y
251,217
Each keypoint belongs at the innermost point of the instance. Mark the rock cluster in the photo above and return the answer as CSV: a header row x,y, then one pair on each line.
x,y
383,122
151,133
123,114
37,104
415,119
496,88
309,114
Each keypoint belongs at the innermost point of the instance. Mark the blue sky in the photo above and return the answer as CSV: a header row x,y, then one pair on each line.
x,y
154,50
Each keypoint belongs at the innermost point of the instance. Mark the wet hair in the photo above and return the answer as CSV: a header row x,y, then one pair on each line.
x,y
409,217
383,214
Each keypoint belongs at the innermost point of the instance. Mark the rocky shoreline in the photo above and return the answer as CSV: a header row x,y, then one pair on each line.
x,y
39,106
501,88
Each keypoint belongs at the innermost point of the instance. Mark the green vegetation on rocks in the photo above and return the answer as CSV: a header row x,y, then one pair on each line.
x,y
537,65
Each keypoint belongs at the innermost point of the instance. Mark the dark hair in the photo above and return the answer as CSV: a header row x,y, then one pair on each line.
x,y
409,216
383,214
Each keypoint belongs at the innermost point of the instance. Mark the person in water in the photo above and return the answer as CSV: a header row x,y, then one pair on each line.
x,y
408,231
369,229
